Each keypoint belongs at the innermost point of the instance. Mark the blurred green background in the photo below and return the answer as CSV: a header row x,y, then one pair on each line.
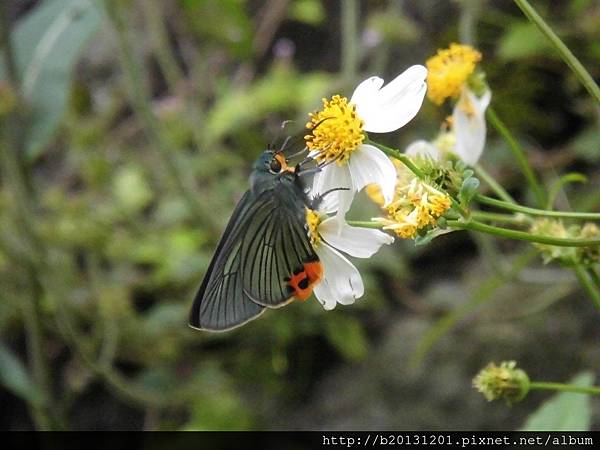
x,y
128,132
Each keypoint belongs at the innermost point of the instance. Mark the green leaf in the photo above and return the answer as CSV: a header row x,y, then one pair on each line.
x,y
566,411
47,43
15,378
468,190
522,40
347,336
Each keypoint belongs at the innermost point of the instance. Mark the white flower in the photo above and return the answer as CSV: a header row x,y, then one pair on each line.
x,y
468,121
466,137
337,134
341,282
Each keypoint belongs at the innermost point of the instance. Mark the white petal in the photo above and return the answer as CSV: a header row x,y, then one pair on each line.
x,y
423,148
341,281
366,91
333,176
393,106
369,165
469,127
355,241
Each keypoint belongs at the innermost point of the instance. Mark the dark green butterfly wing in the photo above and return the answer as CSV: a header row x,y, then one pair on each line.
x,y
277,247
264,242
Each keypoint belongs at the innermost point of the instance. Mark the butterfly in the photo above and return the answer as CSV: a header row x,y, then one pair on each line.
x,y
264,258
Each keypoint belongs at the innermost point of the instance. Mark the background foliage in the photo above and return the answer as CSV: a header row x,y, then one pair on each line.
x,y
138,124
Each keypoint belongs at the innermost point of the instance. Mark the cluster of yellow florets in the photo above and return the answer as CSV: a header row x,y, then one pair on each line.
x,y
448,70
416,205
313,219
336,131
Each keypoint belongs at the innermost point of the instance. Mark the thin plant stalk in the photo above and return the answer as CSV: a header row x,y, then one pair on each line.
x,y
521,235
588,284
567,56
519,154
14,172
350,13
493,184
546,386
482,199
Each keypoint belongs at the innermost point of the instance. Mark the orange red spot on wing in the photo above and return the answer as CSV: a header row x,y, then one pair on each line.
x,y
304,279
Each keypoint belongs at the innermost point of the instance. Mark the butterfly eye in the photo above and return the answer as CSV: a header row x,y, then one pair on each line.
x,y
275,166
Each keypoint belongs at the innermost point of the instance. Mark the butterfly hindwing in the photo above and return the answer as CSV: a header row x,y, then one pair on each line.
x,y
263,246
278,250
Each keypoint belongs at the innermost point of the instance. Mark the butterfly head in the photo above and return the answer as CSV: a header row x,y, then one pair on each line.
x,y
272,162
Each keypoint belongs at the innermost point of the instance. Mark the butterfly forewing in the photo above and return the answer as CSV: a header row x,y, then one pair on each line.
x,y
278,247
263,245
221,302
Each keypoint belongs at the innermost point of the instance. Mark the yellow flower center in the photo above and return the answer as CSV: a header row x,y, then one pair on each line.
x,y
313,219
416,205
448,71
336,131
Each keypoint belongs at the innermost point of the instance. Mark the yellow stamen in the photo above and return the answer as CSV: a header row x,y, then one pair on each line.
x,y
313,220
448,71
336,131
416,205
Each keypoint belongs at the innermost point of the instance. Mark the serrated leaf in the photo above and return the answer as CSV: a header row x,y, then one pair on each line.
x,y
15,378
565,411
48,42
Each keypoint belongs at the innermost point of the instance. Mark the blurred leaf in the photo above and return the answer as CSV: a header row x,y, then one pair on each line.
x,y
48,42
347,336
217,405
15,378
279,90
308,11
587,144
131,190
225,21
565,411
523,40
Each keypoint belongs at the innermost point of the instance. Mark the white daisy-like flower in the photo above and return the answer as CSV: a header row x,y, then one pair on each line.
x,y
340,282
468,123
338,131
467,132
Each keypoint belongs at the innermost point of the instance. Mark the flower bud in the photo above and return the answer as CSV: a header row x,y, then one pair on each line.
x,y
503,381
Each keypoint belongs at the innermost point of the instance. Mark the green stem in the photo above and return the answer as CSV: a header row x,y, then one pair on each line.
x,y
522,235
587,281
493,184
541,385
499,217
534,211
519,154
14,173
567,56
397,154
350,12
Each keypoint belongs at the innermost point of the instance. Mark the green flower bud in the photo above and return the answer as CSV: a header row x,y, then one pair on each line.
x,y
503,381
